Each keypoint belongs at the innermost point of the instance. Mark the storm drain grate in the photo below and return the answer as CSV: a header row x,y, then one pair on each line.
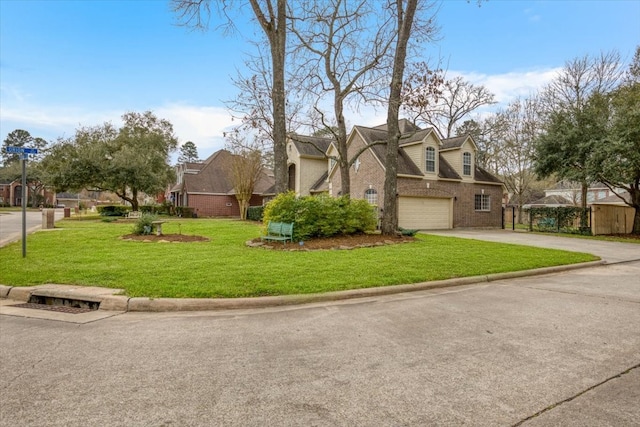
x,y
56,308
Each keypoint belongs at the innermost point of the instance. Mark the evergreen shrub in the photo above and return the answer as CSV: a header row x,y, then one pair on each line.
x,y
321,216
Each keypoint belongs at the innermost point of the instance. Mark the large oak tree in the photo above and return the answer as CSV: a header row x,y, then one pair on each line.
x,y
127,161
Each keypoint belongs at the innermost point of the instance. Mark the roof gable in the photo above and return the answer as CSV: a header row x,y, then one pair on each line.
x,y
311,146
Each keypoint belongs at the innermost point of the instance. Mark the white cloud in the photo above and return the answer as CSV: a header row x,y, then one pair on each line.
x,y
508,86
202,125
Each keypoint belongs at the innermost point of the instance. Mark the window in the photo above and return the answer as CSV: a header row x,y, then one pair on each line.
x,y
431,159
332,162
371,196
466,164
483,202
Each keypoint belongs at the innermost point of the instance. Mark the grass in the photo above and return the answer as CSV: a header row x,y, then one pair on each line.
x,y
90,253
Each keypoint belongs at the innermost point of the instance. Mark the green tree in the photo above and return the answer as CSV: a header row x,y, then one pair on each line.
x,y
188,153
568,138
127,161
615,160
20,138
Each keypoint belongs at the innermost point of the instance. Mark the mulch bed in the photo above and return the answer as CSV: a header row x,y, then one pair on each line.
x,y
336,242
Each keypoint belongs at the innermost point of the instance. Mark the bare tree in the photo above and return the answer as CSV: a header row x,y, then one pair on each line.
x,y
271,16
405,14
455,101
516,129
246,169
343,50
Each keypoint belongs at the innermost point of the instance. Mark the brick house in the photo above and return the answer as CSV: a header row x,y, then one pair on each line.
x,y
11,194
440,186
208,189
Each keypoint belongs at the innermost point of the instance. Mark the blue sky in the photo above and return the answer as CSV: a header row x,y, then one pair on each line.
x,y
69,63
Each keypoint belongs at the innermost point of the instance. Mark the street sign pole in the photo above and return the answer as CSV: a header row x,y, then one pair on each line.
x,y
24,205
24,156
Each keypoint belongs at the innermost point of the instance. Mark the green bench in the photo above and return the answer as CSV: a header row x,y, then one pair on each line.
x,y
279,232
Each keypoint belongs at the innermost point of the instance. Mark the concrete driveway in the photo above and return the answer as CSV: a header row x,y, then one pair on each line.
x,y
611,252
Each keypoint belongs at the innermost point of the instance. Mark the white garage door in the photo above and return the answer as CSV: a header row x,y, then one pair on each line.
x,y
425,213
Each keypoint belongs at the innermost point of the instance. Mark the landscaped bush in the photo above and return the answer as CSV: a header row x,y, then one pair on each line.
x,y
113,210
143,224
321,216
255,213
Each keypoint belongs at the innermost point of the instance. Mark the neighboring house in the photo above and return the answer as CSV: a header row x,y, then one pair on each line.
x,y
553,201
207,187
11,194
307,163
572,191
440,186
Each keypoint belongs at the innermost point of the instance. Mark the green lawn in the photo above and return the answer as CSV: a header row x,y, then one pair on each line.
x,y
90,253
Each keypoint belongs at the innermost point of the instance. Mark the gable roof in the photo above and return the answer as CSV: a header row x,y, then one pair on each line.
x,y
311,146
214,177
456,142
375,135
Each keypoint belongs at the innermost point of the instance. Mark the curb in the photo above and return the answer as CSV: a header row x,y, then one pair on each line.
x,y
111,302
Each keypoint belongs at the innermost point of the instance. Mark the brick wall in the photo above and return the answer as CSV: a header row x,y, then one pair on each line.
x,y
207,205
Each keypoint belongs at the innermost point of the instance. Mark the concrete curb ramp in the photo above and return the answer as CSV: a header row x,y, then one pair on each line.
x,y
111,301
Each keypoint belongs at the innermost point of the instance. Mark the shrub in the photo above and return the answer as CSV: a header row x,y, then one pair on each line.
x,y
143,224
255,213
184,211
321,216
113,210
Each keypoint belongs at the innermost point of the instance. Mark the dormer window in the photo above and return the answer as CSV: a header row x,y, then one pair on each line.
x,y
431,160
466,164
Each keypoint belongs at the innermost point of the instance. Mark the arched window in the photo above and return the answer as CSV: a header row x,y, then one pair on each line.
x,y
431,159
371,196
466,164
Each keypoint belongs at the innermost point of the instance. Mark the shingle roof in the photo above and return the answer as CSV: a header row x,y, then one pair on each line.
x,y
445,170
456,142
214,177
484,176
313,146
321,184
404,125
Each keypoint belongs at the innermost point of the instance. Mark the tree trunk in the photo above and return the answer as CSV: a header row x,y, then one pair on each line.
x,y
405,23
342,145
583,217
244,205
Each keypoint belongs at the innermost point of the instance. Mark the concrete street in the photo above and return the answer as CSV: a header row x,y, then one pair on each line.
x,y
561,349
11,224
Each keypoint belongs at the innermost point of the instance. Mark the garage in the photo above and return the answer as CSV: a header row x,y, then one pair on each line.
x,y
425,213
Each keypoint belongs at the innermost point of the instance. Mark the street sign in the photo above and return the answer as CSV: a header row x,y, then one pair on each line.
x,y
19,150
